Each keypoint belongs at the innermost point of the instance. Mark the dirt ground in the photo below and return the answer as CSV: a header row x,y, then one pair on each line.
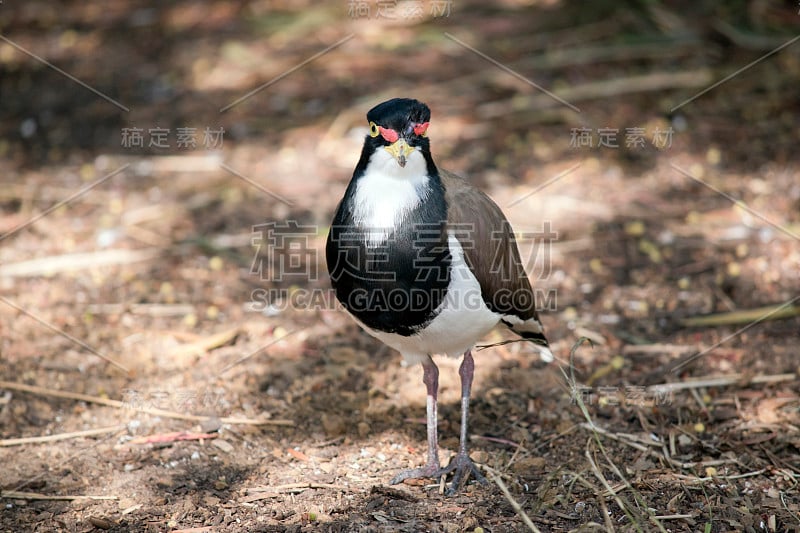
x,y
171,359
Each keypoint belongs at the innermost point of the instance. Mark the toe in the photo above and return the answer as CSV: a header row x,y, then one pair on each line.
x,y
428,471
462,468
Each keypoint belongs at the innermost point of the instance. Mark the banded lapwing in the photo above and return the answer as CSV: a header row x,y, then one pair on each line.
x,y
426,263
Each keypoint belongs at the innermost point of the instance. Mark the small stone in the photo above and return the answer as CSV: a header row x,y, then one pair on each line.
x,y
166,288
480,456
635,228
223,445
596,266
101,523
124,504
713,156
210,425
528,465
333,425
190,320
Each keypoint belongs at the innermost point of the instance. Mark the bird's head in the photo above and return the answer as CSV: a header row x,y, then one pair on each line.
x,y
397,133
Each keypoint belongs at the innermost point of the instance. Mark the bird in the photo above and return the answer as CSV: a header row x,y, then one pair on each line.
x,y
428,264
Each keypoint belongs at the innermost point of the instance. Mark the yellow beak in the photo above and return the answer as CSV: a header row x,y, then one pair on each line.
x,y
400,150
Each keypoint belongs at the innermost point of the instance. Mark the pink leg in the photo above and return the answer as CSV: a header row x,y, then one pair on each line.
x,y
461,465
430,376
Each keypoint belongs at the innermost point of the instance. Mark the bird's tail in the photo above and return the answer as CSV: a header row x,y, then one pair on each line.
x,y
540,341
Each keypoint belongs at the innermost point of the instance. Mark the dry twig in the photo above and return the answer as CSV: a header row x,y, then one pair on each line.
x,y
655,81
301,487
253,494
206,344
653,349
155,310
61,436
53,264
147,410
173,437
495,476
742,316
20,495
720,381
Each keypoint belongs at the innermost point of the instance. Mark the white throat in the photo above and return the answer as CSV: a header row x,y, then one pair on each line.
x,y
387,191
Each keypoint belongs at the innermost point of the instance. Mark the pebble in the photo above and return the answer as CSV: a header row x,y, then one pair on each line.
x,y
223,445
529,464
211,425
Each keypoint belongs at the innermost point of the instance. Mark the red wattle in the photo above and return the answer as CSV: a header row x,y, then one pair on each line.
x,y
389,134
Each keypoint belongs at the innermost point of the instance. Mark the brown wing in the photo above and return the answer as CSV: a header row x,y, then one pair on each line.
x,y
490,250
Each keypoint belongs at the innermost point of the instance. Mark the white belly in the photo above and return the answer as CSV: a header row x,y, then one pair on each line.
x,y
462,318
387,191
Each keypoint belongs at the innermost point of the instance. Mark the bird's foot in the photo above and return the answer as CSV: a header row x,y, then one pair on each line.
x,y
428,471
462,468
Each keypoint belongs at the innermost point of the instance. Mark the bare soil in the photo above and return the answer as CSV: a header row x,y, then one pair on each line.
x,y
130,281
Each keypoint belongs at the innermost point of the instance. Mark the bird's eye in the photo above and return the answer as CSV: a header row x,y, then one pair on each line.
x,y
374,131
